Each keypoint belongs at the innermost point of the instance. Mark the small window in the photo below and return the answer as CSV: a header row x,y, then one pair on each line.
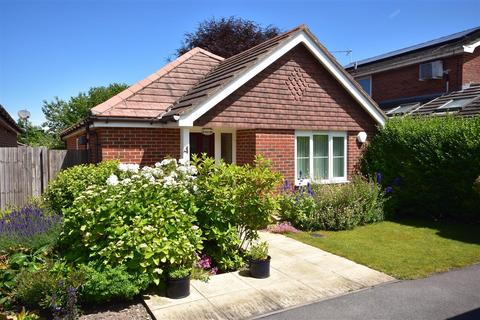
x,y
431,70
321,157
403,109
455,104
366,84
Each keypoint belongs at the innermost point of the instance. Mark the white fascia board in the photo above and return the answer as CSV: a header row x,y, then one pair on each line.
x,y
188,118
471,47
130,124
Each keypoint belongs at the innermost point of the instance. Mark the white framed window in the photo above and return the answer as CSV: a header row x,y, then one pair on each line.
x,y
320,157
366,84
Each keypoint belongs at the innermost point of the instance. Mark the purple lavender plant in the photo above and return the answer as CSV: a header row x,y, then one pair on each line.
x,y
28,227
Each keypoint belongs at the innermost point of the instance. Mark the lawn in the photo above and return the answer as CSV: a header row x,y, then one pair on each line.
x,y
406,249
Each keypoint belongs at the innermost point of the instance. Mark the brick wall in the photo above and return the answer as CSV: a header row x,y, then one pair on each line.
x,y
279,147
295,92
245,152
403,82
471,67
8,138
144,146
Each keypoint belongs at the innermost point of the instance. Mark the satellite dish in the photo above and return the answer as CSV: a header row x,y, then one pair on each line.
x,y
24,114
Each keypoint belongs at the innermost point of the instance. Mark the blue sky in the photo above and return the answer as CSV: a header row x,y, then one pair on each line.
x,y
59,48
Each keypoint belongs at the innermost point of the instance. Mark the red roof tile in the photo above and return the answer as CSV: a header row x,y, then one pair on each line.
x,y
151,96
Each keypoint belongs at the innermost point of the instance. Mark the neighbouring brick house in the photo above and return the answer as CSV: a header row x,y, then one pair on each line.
x,y
286,98
402,80
9,130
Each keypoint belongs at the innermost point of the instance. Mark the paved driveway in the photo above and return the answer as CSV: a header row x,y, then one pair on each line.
x,y
300,274
450,295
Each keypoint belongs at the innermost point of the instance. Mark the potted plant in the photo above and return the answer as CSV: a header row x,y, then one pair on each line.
x,y
178,283
259,260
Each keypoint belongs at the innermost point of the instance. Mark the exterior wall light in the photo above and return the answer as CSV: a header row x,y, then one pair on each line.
x,y
362,137
207,131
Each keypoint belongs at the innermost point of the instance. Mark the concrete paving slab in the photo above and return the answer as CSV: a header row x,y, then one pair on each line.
x,y
198,310
220,284
156,301
244,304
290,293
299,274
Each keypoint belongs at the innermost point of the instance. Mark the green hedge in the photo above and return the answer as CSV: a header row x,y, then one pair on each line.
x,y
430,164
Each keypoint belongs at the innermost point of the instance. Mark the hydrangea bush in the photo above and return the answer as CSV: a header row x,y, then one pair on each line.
x,y
141,218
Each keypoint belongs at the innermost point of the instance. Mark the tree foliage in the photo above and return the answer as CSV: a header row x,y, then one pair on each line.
x,y
35,136
227,36
61,114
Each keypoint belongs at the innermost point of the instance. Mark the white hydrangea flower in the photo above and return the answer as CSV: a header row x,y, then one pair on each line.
x,y
183,162
129,167
112,180
126,181
166,162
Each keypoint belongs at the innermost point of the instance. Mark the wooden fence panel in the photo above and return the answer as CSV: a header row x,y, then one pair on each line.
x,y
26,171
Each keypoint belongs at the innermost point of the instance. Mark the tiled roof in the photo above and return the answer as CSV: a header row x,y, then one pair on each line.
x,y
232,68
5,116
225,71
470,106
150,97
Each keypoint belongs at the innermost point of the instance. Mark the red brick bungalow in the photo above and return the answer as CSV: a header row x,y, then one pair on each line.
x,y
286,98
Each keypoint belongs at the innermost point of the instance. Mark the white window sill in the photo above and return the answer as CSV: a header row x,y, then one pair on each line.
x,y
305,182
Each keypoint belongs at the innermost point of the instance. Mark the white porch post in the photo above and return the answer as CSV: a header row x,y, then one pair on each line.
x,y
185,143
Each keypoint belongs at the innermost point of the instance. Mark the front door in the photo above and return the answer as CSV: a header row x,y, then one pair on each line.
x,y
200,143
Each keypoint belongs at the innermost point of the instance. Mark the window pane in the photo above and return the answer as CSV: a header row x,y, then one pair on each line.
x,y
226,147
303,157
303,147
338,147
366,84
320,168
338,157
320,146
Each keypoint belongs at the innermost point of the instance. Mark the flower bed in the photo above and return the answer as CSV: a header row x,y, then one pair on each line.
x,y
120,229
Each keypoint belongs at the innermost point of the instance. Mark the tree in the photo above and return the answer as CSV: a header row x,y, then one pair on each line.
x,y
227,36
35,135
62,114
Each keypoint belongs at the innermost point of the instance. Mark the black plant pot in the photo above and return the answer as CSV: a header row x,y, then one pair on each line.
x,y
178,288
260,268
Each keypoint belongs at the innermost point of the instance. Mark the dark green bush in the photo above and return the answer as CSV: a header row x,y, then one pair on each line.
x,y
430,164
104,284
234,202
333,206
69,183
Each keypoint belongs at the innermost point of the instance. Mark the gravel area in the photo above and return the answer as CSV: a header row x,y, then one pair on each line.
x,y
117,311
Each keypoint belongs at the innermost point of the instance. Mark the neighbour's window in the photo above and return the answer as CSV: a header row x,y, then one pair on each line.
x,y
320,157
366,84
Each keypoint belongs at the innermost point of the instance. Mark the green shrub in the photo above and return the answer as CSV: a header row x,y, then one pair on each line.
x,y
144,220
70,183
52,288
11,264
334,206
234,202
179,273
104,284
430,163
258,251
